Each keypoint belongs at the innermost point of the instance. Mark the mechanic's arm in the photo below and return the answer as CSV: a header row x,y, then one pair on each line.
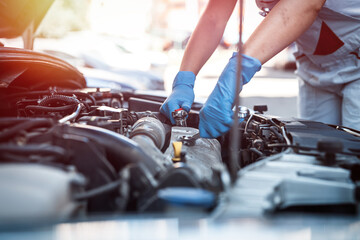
x,y
282,26
207,34
202,44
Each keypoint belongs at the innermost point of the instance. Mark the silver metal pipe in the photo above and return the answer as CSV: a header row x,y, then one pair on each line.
x,y
73,115
288,142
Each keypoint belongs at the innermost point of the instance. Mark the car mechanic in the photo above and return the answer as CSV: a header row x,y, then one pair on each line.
x,y
327,35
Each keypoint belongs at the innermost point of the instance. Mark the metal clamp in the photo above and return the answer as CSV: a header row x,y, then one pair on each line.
x,y
189,140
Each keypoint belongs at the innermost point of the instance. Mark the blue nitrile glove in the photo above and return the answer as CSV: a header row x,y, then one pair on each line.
x,y
216,114
182,95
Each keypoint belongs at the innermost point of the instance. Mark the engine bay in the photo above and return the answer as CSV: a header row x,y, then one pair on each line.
x,y
104,163
72,153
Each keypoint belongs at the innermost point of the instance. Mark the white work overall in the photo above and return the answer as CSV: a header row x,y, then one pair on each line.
x,y
328,62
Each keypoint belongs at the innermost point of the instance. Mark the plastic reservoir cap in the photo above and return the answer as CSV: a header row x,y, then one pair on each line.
x,y
187,196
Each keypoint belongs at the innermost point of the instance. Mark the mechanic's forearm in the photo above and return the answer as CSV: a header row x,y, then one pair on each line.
x,y
202,44
207,35
283,25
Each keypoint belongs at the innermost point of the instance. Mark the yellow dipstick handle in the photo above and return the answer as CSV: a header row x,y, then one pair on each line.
x,y
177,151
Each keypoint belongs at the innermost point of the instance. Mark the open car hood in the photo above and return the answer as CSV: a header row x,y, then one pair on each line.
x,y
25,69
29,70
17,15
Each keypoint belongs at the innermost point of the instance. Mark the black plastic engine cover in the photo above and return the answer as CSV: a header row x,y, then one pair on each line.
x,y
309,133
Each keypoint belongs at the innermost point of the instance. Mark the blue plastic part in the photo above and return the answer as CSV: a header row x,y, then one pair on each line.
x,y
187,196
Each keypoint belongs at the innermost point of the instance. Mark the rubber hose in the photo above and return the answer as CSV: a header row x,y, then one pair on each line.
x,y
8,133
53,99
39,149
51,109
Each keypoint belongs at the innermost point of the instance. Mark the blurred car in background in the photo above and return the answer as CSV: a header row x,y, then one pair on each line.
x,y
97,76
124,68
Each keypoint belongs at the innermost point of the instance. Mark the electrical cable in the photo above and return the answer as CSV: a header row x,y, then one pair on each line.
x,y
110,187
39,93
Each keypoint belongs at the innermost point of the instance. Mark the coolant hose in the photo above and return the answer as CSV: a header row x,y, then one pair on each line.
x,y
152,128
119,150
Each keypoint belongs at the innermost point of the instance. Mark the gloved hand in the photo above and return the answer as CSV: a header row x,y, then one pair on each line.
x,y
216,114
182,95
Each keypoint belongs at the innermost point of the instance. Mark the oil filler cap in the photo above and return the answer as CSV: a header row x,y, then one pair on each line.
x,y
177,151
